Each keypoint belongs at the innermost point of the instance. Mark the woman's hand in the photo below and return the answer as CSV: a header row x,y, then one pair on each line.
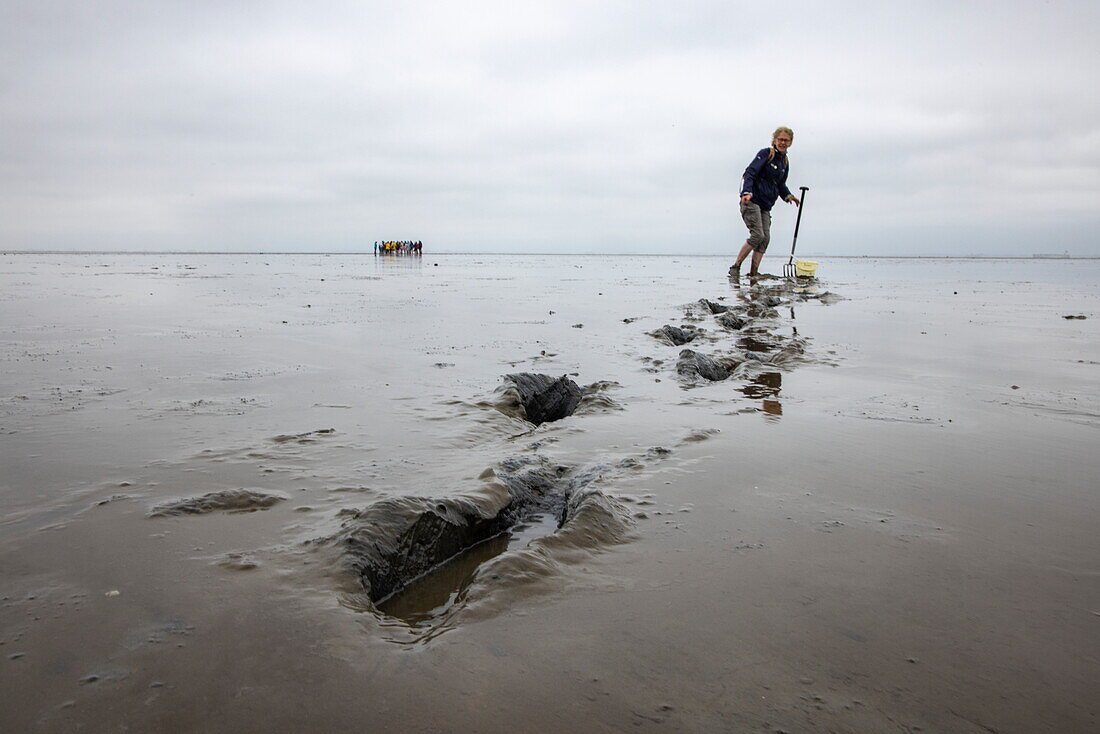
x,y
794,200
746,198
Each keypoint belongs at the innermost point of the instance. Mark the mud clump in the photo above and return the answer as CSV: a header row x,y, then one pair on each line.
x,y
826,297
539,399
226,500
758,310
545,399
693,364
714,308
307,437
771,300
731,321
674,335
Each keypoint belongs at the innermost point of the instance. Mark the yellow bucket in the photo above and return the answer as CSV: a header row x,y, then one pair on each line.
x,y
805,268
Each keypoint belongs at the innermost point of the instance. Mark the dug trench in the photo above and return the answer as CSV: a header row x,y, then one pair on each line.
x,y
422,560
418,559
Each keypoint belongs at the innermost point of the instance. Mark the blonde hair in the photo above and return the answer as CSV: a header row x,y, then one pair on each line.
x,y
779,131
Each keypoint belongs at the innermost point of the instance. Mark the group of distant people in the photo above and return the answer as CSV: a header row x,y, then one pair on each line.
x,y
764,182
398,247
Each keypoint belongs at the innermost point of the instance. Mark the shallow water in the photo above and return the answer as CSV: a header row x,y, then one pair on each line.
x,y
431,597
920,484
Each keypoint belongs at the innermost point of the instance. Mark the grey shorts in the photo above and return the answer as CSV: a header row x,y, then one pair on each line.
x,y
759,222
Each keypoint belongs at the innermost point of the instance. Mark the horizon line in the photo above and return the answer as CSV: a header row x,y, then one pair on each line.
x,y
368,253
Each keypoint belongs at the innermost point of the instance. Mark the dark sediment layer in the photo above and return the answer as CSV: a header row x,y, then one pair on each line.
x,y
770,299
693,364
397,540
229,500
559,400
545,399
400,540
760,310
675,335
731,321
714,308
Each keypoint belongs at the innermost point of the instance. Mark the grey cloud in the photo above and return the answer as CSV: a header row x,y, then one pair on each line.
x,y
590,126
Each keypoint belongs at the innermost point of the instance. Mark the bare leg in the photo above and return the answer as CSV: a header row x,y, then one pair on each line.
x,y
745,250
756,258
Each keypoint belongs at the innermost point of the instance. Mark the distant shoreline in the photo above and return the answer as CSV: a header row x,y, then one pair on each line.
x,y
368,253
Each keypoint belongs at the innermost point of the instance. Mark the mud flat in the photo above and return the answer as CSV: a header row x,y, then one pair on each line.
x,y
862,504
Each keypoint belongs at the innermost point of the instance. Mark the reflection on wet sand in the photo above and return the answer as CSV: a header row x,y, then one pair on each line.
x,y
764,385
754,343
865,586
428,598
761,353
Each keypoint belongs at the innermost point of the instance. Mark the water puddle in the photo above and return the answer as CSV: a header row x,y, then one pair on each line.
x,y
765,385
432,595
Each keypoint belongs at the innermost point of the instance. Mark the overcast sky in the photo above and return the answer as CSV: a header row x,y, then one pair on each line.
x,y
920,127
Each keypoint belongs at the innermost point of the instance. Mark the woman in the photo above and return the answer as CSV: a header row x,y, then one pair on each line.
x,y
765,180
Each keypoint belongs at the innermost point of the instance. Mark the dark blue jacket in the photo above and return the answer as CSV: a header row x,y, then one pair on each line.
x,y
766,181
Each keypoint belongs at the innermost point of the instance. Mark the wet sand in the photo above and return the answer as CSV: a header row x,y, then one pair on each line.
x,y
892,527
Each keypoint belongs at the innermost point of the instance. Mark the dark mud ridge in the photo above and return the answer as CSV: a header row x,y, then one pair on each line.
x,y
398,544
694,364
542,399
545,399
714,308
754,316
761,349
731,321
676,335
397,541
227,500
